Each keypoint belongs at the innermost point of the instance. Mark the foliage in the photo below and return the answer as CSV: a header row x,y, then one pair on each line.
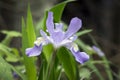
x,y
53,64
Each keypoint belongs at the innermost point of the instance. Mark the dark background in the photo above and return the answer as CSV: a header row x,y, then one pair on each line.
x,y
103,16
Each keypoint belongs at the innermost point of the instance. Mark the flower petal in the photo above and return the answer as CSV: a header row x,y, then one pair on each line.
x,y
80,57
71,46
98,51
74,26
47,39
58,34
73,38
39,41
57,37
58,26
50,23
43,34
35,51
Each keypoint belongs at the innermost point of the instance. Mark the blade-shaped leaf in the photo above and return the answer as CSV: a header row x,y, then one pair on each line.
x,y
83,32
94,68
58,10
28,36
48,49
9,36
30,29
11,33
6,51
22,76
5,70
67,62
85,47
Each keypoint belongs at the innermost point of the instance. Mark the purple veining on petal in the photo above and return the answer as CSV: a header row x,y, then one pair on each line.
x,y
35,51
80,57
50,23
75,25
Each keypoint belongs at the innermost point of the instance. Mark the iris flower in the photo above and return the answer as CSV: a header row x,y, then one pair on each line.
x,y
98,51
59,38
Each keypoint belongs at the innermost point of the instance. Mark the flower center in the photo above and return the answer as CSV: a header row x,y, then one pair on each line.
x,y
75,47
39,41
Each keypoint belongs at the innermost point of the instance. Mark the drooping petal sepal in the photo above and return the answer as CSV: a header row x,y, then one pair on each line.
x,y
80,57
35,51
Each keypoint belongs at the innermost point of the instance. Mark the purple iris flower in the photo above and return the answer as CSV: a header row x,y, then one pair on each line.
x,y
98,51
59,38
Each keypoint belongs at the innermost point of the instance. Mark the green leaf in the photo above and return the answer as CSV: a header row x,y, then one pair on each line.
x,y
47,50
58,10
16,52
68,63
28,37
85,47
5,71
12,33
107,66
6,51
22,76
9,36
42,71
12,59
83,32
94,68
30,29
84,73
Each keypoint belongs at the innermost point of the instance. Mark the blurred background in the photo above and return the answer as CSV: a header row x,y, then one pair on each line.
x,y
103,16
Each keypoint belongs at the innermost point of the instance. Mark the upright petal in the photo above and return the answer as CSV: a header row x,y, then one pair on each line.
x,y
47,39
58,26
50,23
35,51
74,26
43,34
80,57
58,34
